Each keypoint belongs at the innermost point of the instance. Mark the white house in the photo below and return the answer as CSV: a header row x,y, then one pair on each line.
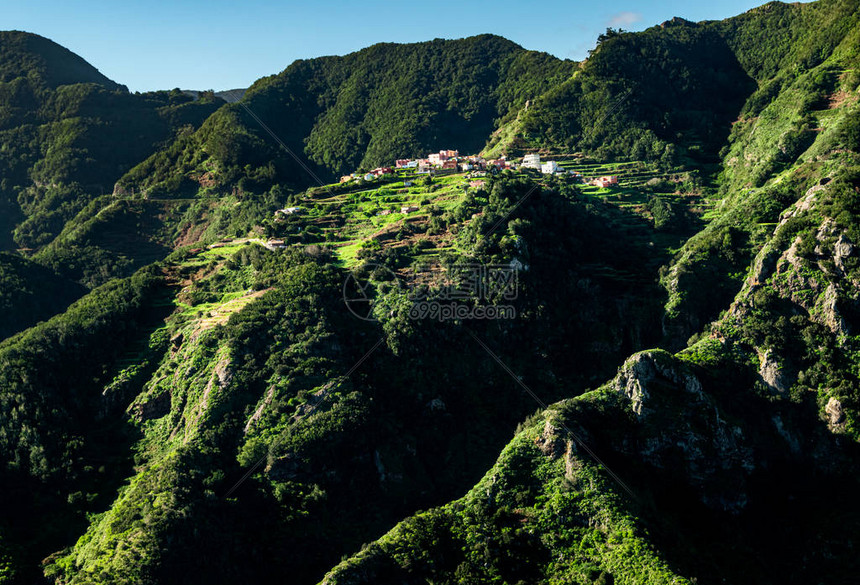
x,y
550,167
531,161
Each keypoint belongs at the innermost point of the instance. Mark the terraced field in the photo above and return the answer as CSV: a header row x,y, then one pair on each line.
x,y
347,218
396,211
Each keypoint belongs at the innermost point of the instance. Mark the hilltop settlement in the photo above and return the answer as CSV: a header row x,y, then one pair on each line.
x,y
451,162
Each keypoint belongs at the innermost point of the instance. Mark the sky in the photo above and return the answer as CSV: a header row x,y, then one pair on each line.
x,y
219,44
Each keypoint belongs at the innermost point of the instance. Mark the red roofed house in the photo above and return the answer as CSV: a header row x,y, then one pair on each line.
x,y
606,181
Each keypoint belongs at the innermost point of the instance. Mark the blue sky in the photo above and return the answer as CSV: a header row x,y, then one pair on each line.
x,y
219,44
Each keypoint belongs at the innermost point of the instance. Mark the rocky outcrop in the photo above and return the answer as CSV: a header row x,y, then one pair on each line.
x,y
773,373
807,282
829,314
550,441
270,393
802,206
681,428
842,250
639,371
152,408
835,414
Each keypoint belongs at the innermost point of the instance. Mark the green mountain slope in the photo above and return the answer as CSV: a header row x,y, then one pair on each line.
x,y
797,128
646,95
254,374
361,110
30,293
68,133
744,443
49,63
222,415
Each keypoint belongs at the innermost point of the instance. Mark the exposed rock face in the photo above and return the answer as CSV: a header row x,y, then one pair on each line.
x,y
640,370
826,230
793,442
835,414
176,342
555,442
842,249
805,283
550,442
772,372
765,264
630,383
801,206
270,393
222,371
156,407
829,311
681,428
380,468
320,401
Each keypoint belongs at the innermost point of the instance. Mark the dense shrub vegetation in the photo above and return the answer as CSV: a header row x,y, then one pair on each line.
x,y
67,134
211,411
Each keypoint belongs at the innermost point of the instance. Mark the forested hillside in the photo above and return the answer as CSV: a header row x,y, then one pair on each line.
x,y
743,444
67,133
358,111
668,393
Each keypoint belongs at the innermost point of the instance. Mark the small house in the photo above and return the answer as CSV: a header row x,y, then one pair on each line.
x,y
531,161
550,167
346,178
408,209
401,163
369,177
604,182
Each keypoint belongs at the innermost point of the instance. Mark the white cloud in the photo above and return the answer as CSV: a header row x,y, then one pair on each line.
x,y
625,18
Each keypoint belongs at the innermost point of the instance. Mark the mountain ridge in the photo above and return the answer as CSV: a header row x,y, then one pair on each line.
x,y
211,411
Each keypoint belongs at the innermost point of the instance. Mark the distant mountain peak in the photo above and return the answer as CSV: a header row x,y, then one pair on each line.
x,y
22,53
677,21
